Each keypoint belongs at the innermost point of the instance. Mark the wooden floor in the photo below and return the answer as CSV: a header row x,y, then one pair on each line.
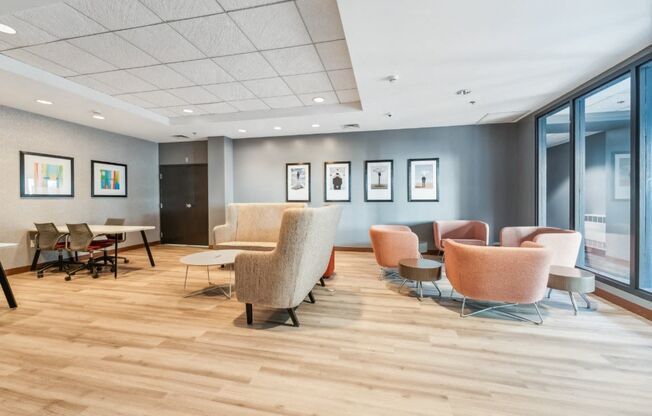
x,y
136,346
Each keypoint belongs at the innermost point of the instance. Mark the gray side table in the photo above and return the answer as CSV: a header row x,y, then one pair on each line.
x,y
420,270
572,280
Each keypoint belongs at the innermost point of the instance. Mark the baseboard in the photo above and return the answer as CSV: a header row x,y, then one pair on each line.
x,y
624,303
25,269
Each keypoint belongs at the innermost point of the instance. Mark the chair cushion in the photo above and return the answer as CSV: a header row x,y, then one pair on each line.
x,y
468,242
100,244
246,245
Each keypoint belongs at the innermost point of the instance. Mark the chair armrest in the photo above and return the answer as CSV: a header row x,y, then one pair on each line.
x,y
223,233
254,277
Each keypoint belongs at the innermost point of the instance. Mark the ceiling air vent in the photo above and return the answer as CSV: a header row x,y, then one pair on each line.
x,y
180,136
351,126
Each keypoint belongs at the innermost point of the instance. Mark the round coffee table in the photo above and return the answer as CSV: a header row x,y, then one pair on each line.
x,y
208,259
572,280
420,270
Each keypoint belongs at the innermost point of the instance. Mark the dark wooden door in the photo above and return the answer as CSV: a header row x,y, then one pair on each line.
x,y
184,204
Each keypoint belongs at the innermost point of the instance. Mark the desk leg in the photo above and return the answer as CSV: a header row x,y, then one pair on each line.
x,y
115,260
149,252
6,288
37,253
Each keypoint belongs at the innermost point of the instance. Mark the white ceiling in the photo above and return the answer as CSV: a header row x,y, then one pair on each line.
x,y
256,64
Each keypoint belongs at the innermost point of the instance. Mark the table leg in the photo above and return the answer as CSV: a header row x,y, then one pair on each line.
x,y
185,281
115,260
4,281
437,287
149,252
572,298
586,299
37,253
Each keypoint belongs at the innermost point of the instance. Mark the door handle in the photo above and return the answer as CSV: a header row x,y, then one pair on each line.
x,y
188,205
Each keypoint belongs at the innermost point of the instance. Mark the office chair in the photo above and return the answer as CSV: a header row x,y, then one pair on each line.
x,y
113,238
48,238
80,238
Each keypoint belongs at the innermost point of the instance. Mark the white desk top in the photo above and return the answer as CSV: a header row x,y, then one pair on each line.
x,y
211,258
107,229
4,245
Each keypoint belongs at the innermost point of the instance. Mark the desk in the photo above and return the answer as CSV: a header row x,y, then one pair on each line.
x,y
99,230
4,281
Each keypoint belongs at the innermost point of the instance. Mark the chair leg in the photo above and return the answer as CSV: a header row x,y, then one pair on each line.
x,y
311,297
250,313
293,316
549,293
323,283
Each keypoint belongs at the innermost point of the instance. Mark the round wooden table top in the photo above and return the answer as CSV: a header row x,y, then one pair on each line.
x,y
420,269
571,279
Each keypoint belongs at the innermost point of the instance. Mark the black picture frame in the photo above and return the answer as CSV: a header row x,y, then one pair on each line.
x,y
308,182
23,193
391,180
342,162
93,194
436,181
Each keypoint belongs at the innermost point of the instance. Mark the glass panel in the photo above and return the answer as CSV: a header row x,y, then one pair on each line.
x,y
604,120
645,273
555,129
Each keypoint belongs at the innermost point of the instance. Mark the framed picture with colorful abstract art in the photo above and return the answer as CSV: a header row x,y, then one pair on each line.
x,y
108,179
46,176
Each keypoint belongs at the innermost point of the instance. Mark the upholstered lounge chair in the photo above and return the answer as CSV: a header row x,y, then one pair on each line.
x,y
391,244
564,244
282,278
466,232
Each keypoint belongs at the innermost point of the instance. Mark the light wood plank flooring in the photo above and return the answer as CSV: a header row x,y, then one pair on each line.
x,y
136,346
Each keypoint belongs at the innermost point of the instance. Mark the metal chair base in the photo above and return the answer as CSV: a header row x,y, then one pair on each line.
x,y
499,308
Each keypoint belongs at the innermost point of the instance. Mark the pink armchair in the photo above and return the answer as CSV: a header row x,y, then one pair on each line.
x,y
564,244
466,232
392,243
510,275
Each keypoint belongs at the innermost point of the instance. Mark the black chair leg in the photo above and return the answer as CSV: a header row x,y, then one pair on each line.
x,y
250,313
293,316
321,280
311,297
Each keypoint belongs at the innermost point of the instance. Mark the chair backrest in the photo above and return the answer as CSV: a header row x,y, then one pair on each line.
x,y
114,221
392,243
47,236
515,236
80,237
564,244
460,230
258,222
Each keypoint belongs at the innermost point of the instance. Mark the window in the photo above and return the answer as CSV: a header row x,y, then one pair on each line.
x,y
645,100
604,143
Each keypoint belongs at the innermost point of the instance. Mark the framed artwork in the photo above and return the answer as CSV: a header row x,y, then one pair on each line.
x,y
108,179
379,180
43,175
622,180
297,182
423,180
337,186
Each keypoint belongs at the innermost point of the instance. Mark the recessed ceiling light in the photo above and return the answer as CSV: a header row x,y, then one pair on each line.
x,y
188,111
98,116
315,125
7,29
318,99
472,102
46,102
278,128
463,92
242,131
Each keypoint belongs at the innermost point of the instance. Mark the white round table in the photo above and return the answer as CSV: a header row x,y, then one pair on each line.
x,y
208,259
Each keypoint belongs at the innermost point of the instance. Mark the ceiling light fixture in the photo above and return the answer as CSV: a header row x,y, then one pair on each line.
x,y
393,78
318,99
472,102
7,29
188,111
98,116
463,92
278,128
242,131
46,102
315,125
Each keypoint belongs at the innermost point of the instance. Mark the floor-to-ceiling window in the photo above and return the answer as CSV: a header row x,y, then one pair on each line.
x,y
645,111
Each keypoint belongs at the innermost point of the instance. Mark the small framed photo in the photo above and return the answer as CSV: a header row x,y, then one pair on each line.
x,y
622,167
337,186
297,182
48,176
423,180
379,180
108,179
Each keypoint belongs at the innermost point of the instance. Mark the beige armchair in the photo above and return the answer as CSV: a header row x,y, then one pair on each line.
x,y
283,278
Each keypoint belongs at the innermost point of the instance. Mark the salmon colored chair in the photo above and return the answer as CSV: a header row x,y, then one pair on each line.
x,y
564,244
510,275
392,243
466,232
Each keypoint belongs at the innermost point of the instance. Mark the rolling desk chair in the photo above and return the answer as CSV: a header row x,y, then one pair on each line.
x,y
80,238
113,238
48,238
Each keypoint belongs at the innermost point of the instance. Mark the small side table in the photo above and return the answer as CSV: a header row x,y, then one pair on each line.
x,y
572,280
208,259
420,270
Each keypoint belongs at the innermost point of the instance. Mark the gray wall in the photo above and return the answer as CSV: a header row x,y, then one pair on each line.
x,y
220,180
485,174
558,186
20,130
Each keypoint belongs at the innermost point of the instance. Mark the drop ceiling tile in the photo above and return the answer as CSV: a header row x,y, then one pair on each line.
x,y
275,26
230,92
165,112
246,66
218,108
288,101
160,98
60,20
295,60
308,83
269,87
342,79
162,42
194,95
4,46
334,55
25,35
215,35
249,105
70,56
116,14
94,84
36,61
114,50
132,99
173,10
201,72
348,96
196,110
243,4
161,76
123,81
322,18
329,98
